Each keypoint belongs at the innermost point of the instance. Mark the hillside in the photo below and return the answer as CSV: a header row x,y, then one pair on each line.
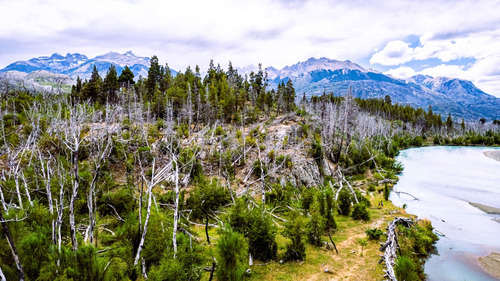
x,y
96,190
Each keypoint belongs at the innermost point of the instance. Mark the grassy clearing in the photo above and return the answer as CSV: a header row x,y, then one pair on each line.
x,y
354,261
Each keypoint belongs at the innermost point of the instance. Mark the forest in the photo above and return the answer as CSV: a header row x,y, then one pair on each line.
x,y
206,178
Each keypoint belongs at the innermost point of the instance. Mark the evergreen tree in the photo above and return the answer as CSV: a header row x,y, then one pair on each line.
x,y
449,122
344,202
289,96
93,88
154,76
111,84
126,78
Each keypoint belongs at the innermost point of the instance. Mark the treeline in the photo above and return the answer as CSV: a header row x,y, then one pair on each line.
x,y
220,95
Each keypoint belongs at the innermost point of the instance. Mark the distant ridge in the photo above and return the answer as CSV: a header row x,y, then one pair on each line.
x,y
74,65
446,95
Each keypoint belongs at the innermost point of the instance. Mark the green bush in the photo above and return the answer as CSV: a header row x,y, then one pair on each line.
x,y
296,250
360,212
387,192
374,233
344,202
259,168
231,255
406,269
257,227
315,227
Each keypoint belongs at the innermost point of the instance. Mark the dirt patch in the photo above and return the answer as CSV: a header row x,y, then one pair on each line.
x,y
491,263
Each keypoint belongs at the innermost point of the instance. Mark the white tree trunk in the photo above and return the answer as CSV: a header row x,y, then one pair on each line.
x,y
145,229
176,210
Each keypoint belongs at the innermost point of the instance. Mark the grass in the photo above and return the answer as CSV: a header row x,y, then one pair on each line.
x,y
347,265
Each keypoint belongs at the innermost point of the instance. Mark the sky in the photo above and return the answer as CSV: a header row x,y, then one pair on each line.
x,y
398,37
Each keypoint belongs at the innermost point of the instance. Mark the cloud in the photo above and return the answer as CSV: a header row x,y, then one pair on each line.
x,y
401,72
394,53
274,32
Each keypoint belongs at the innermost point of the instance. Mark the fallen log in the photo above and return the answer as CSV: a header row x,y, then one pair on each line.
x,y
391,245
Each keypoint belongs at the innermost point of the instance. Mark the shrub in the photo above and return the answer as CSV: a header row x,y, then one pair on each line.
x,y
232,255
315,227
257,227
387,192
374,233
405,269
259,168
296,250
344,202
360,212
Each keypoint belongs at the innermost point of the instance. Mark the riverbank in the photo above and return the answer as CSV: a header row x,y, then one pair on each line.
x,y
493,154
491,263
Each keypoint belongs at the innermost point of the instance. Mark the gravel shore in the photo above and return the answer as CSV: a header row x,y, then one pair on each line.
x,y
487,209
491,263
493,154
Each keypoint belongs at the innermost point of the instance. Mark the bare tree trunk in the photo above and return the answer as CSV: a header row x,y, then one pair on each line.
x,y
2,277
149,193
206,228
74,193
176,210
12,247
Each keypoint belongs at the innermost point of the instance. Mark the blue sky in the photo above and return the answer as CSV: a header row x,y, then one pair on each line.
x,y
402,38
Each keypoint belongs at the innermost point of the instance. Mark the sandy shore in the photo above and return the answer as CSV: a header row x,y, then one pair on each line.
x,y
491,263
493,154
487,209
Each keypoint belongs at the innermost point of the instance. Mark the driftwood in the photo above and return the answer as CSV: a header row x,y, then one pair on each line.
x,y
402,192
391,245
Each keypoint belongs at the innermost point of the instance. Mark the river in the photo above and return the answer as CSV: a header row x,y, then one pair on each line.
x,y
445,180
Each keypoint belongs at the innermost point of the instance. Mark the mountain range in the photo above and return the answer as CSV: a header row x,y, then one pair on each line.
x,y
74,65
461,98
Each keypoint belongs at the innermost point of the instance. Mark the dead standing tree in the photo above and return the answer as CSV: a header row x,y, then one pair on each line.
x,y
101,145
73,134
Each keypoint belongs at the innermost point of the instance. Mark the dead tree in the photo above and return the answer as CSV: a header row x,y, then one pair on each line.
x,y
72,136
156,178
102,144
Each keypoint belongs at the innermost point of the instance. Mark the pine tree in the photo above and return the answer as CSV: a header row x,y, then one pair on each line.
x,y
111,85
154,76
93,88
126,78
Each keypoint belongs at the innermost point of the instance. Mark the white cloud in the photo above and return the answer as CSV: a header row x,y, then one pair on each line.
x,y
394,53
401,72
445,70
274,32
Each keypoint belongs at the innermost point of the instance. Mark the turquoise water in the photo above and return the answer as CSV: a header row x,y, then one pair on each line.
x,y
445,179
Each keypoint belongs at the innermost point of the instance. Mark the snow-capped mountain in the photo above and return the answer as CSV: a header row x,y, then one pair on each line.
x,y
55,63
74,65
446,95
312,65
